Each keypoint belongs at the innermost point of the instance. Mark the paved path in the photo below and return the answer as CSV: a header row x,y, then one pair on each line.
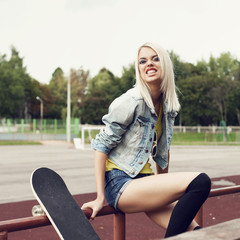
x,y
76,166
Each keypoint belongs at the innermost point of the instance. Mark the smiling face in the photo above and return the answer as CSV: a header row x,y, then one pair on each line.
x,y
149,66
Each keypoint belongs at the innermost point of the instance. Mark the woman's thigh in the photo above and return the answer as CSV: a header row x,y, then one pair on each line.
x,y
153,192
162,216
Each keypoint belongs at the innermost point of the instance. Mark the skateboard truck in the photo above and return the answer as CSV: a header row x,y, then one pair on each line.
x,y
38,211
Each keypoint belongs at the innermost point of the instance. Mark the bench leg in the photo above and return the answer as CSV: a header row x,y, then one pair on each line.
x,y
4,235
119,231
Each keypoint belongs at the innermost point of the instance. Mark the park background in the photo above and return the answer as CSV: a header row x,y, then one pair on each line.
x,y
92,45
47,45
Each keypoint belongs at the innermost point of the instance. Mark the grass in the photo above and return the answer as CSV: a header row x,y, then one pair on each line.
x,y
5,143
193,138
188,138
206,143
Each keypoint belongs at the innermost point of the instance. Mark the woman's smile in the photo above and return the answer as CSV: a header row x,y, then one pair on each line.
x,y
149,65
151,71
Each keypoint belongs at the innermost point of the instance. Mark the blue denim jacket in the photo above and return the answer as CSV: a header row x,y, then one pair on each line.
x,y
128,134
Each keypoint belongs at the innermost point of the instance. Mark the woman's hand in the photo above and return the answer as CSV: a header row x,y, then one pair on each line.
x,y
95,205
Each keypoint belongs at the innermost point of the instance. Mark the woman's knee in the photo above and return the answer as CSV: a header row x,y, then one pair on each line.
x,y
201,183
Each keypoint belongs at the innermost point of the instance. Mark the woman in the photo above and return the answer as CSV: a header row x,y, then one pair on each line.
x,y
138,126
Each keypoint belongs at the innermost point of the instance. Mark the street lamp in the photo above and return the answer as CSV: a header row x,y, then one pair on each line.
x,y
41,109
69,110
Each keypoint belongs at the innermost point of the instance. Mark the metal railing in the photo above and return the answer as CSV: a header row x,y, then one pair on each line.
x,y
215,193
119,220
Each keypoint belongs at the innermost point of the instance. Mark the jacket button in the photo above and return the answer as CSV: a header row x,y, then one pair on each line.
x,y
150,139
146,151
152,126
132,172
140,162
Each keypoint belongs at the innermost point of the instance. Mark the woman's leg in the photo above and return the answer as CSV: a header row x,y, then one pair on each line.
x,y
162,216
188,205
155,193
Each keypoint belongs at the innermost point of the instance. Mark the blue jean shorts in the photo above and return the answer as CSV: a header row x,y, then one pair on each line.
x,y
115,183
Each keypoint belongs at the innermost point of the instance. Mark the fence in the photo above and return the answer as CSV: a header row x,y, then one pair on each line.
x,y
185,134
119,219
47,126
59,126
55,129
37,130
208,134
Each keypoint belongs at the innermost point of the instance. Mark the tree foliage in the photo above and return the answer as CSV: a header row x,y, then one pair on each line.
x,y
17,88
78,79
128,78
101,91
58,90
209,91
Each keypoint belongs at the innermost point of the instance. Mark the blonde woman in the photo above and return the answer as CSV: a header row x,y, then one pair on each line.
x,y
138,127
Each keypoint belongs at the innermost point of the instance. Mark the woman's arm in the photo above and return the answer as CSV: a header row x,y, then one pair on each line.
x,y
120,115
100,166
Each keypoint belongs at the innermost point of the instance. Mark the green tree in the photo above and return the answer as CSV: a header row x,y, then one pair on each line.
x,y
196,102
102,90
225,68
78,80
128,78
17,87
58,89
44,92
210,91
233,103
227,65
182,70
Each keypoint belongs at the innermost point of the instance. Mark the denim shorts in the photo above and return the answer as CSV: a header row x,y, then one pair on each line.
x,y
115,183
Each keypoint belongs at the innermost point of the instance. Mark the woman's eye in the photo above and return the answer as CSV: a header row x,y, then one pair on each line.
x,y
156,59
142,61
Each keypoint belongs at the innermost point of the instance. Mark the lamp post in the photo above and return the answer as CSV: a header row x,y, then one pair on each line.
x,y
41,109
69,110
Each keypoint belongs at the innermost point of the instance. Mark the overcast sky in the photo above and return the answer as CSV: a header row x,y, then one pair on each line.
x,y
106,33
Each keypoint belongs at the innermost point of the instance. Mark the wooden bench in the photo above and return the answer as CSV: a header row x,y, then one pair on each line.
x,y
229,230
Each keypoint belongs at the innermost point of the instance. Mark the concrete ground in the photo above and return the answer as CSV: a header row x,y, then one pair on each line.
x,y
77,166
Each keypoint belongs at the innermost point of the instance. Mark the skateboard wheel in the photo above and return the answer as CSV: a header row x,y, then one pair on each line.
x,y
38,211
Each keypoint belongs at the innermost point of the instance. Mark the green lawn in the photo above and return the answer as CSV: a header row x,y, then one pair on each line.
x,y
189,138
203,139
4,143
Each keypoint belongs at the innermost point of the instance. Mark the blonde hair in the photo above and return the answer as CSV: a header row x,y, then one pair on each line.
x,y
168,87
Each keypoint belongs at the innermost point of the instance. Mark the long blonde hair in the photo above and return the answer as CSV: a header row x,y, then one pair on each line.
x,y
168,87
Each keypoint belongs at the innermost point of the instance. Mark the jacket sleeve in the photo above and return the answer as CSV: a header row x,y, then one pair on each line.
x,y
120,115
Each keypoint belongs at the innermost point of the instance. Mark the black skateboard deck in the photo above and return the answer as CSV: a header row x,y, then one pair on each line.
x,y
60,207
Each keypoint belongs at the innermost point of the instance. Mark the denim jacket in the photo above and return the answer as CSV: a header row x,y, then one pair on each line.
x,y
127,138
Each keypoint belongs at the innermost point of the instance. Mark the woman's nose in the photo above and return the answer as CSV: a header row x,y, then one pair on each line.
x,y
149,62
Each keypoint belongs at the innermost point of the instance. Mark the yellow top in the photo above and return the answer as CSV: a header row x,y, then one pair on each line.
x,y
147,168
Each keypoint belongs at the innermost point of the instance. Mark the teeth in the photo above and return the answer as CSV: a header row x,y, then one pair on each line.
x,y
151,71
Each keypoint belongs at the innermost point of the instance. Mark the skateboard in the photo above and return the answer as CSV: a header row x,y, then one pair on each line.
x,y
60,207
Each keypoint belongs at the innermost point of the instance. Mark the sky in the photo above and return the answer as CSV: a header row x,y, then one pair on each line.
x,y
93,34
